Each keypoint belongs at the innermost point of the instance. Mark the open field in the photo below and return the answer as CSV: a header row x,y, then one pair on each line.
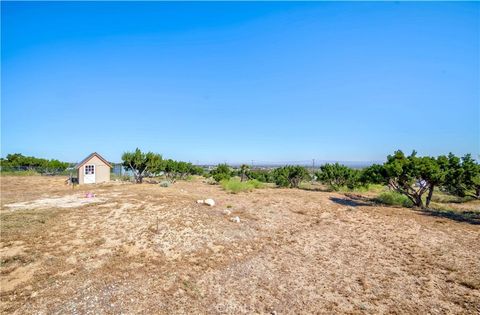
x,y
148,249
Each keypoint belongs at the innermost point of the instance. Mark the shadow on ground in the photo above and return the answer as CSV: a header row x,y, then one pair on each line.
x,y
472,217
352,201
321,189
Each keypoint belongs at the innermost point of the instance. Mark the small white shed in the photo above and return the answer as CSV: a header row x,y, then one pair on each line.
x,y
93,169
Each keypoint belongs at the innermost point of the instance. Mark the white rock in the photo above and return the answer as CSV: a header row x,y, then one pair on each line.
x,y
325,215
200,201
235,219
209,202
227,212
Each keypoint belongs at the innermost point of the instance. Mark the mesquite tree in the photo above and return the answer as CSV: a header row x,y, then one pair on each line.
x,y
174,170
290,176
433,172
402,176
463,176
141,163
17,161
221,172
471,176
413,176
244,172
374,174
169,168
337,175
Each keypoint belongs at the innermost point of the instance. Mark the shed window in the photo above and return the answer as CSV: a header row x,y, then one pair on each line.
x,y
89,169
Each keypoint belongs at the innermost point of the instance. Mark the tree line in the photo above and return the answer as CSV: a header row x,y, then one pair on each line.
x,y
19,162
413,176
143,164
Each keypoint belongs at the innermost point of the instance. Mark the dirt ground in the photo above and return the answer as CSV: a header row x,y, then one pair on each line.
x,y
148,249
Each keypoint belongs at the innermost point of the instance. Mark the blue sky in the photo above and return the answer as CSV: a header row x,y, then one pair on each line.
x,y
237,82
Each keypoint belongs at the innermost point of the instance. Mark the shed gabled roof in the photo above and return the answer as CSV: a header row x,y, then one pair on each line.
x,y
85,160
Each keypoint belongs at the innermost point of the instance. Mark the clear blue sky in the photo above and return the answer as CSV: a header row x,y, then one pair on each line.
x,y
216,81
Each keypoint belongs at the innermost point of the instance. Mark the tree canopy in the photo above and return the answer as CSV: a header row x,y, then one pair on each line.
x,y
17,161
141,163
290,176
413,176
337,175
221,172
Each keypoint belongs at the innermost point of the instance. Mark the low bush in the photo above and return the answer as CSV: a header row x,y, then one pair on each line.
x,y
444,197
221,177
336,176
290,176
221,172
234,185
165,183
393,198
256,183
265,176
122,178
210,181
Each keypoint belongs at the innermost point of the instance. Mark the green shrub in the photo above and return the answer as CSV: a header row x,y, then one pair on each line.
x,y
234,185
337,176
265,176
256,183
221,177
393,198
443,197
221,172
374,174
290,176
196,170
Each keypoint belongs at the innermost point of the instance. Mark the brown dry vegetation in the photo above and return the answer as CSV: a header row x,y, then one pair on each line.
x,y
148,249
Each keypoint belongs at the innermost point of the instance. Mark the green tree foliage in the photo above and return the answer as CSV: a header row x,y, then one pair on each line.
x,y
169,168
17,161
402,176
244,172
290,176
471,176
432,173
412,176
196,170
174,170
463,176
221,172
337,175
265,176
454,177
374,174
141,163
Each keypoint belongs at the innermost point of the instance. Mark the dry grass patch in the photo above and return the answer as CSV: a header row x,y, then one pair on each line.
x,y
148,249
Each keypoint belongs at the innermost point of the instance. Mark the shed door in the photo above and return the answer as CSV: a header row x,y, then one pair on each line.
x,y
89,175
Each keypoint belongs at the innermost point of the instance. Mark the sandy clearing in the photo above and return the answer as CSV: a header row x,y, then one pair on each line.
x,y
71,201
148,249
